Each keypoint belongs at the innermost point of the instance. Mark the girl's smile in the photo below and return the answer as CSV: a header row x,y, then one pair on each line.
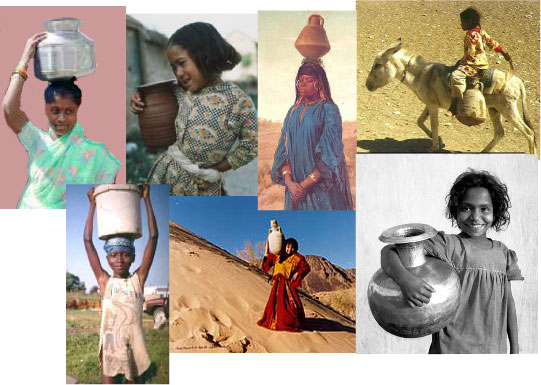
x,y
475,213
186,72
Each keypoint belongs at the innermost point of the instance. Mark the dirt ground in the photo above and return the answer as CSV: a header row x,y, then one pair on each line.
x,y
387,117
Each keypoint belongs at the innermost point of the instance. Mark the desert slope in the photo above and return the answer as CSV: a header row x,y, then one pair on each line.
x,y
216,300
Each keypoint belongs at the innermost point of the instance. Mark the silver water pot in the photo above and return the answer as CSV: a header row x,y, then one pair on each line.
x,y
65,52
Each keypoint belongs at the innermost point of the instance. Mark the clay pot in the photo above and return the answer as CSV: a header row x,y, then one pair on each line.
x,y
275,237
385,297
472,110
312,42
157,121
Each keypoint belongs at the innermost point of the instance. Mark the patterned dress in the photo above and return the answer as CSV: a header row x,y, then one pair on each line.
x,y
54,162
208,124
476,43
284,309
480,324
122,347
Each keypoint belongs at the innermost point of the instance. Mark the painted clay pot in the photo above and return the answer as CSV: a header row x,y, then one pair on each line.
x,y
472,110
312,42
275,237
157,121
385,298
65,52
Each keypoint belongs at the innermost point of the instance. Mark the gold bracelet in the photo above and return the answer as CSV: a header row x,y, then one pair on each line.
x,y
313,177
21,71
284,173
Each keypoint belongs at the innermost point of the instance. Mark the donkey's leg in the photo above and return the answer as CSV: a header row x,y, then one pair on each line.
x,y
436,140
511,113
496,118
421,122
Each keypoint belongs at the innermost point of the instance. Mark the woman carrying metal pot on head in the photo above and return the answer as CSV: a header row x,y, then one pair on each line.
x,y
62,154
212,115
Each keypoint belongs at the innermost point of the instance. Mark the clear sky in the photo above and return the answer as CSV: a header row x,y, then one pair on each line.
x,y
229,221
76,213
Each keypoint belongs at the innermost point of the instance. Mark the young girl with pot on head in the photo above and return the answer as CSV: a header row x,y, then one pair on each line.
x,y
61,155
486,316
212,116
122,349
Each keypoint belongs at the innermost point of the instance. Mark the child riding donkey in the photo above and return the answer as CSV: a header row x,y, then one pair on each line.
x,y
474,62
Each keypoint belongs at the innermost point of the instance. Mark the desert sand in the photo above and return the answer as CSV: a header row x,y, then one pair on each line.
x,y
216,300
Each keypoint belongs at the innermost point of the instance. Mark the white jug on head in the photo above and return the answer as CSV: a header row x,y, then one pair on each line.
x,y
118,210
275,237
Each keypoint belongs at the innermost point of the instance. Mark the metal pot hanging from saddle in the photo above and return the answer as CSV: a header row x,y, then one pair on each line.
x,y
472,109
387,303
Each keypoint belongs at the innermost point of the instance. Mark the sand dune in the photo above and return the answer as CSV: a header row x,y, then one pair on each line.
x,y
216,300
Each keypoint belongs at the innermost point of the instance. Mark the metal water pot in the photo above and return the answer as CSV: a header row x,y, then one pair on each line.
x,y
472,109
385,298
65,52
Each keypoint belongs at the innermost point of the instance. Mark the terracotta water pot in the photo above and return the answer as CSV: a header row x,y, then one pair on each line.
x,y
385,298
472,110
157,121
312,42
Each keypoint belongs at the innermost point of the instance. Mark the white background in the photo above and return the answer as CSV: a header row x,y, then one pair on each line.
x,y
32,251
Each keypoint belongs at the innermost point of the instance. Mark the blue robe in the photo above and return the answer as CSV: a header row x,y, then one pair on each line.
x,y
314,142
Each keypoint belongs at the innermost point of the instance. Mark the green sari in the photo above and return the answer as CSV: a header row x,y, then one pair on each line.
x,y
56,161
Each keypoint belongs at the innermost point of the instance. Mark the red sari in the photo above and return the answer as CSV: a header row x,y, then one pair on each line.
x,y
284,309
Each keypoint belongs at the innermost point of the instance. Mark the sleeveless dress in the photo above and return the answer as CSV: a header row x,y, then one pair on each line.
x,y
122,343
480,324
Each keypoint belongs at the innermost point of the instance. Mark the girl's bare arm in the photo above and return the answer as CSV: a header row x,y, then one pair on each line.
x,y
416,290
512,324
150,248
16,119
100,274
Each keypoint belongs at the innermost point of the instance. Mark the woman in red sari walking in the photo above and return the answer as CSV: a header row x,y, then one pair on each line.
x,y
284,309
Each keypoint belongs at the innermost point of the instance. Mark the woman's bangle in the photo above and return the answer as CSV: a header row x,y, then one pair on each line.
x,y
21,71
285,172
313,177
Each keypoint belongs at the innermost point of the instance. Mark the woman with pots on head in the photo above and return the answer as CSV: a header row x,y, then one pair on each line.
x,y
61,155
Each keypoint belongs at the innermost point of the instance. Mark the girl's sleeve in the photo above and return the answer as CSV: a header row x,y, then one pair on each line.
x,y
330,149
108,167
302,269
244,122
492,44
31,138
512,269
268,262
441,246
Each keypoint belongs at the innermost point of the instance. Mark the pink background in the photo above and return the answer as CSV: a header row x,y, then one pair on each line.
x,y
103,109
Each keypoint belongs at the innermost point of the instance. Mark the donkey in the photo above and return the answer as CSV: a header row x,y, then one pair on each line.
x,y
429,81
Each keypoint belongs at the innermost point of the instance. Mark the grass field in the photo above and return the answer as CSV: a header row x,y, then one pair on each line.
x,y
82,339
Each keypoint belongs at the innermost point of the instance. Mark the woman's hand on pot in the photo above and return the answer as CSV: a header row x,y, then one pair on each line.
x,y
136,103
416,290
30,47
